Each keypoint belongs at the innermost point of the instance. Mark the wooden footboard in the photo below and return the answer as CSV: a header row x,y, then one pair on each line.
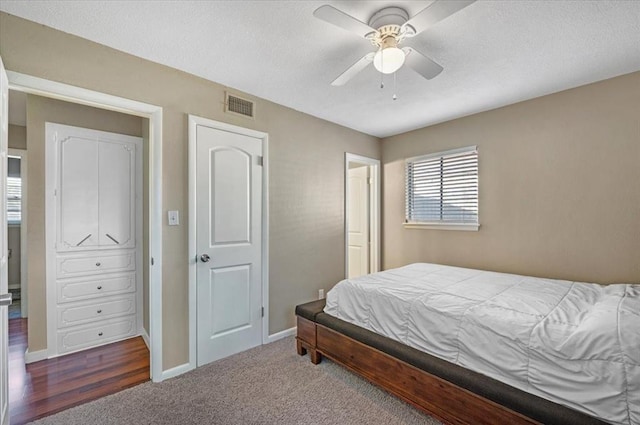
x,y
437,397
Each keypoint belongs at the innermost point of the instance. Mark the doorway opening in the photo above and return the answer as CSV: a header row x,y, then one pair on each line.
x,y
362,215
17,232
153,114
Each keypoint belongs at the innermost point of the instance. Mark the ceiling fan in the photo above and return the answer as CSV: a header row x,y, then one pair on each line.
x,y
387,29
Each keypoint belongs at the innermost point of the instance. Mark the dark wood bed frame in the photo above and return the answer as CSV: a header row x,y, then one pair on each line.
x,y
436,396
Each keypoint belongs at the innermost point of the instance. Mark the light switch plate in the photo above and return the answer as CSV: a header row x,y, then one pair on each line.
x,y
174,218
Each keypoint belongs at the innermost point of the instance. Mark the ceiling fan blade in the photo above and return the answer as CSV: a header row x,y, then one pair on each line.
x,y
354,69
340,19
421,64
435,12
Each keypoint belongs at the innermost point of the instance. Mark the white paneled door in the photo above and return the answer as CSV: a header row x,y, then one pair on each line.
x,y
358,221
228,196
5,298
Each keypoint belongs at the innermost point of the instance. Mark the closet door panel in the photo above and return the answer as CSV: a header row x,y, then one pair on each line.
x,y
116,188
78,194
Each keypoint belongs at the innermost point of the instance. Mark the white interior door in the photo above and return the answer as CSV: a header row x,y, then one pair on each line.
x,y
228,243
5,299
358,221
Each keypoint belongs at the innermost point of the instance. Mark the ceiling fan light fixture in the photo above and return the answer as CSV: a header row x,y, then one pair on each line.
x,y
388,60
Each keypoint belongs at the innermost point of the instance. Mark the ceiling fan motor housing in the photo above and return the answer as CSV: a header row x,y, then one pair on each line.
x,y
388,22
389,16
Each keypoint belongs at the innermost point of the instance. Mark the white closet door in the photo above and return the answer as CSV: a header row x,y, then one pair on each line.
x,y
116,189
78,197
358,220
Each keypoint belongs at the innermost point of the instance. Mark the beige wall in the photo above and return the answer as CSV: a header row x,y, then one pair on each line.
x,y
559,187
39,111
17,137
306,167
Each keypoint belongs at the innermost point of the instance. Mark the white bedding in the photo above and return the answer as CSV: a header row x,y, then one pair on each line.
x,y
577,344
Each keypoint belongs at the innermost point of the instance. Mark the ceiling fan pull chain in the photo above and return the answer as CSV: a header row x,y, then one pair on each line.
x,y
395,86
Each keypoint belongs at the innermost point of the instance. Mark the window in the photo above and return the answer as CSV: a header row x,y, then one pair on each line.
x,y
14,191
442,190
14,200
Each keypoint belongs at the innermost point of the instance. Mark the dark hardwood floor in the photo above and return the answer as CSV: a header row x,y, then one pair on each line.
x,y
49,386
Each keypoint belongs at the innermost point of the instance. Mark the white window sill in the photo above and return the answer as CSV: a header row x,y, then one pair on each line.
x,y
442,226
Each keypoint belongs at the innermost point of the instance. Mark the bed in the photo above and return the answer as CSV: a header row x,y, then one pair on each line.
x,y
471,346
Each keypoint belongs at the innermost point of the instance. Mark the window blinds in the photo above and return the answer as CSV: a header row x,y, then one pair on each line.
x,y
14,200
442,188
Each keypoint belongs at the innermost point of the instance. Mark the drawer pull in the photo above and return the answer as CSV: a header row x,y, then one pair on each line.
x,y
99,287
99,333
98,264
99,311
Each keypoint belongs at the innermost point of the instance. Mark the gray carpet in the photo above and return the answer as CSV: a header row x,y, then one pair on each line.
x,y
266,385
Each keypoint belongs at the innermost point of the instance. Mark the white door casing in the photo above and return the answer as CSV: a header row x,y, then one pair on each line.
x,y
228,221
358,221
4,254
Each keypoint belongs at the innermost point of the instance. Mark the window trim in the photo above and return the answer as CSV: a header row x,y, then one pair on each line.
x,y
439,225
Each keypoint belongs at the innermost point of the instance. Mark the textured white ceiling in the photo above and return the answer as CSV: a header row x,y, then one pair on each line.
x,y
494,53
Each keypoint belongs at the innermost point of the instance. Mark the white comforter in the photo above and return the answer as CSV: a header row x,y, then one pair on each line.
x,y
577,344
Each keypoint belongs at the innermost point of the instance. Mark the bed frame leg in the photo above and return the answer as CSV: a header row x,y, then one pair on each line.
x,y
315,356
300,349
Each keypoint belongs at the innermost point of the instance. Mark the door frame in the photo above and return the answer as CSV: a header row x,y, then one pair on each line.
x,y
194,121
374,210
24,299
68,93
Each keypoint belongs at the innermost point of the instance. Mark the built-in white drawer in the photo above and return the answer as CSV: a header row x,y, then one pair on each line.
x,y
84,312
77,338
70,290
69,266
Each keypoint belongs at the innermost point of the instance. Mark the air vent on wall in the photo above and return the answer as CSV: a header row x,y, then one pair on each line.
x,y
237,105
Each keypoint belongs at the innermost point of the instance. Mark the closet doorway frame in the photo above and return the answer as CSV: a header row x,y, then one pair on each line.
x,y
68,93
373,207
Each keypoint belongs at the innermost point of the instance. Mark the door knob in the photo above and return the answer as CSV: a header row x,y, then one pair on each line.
x,y
205,258
5,299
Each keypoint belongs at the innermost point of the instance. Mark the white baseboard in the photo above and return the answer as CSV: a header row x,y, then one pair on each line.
x,y
282,334
145,337
186,367
35,356
175,371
